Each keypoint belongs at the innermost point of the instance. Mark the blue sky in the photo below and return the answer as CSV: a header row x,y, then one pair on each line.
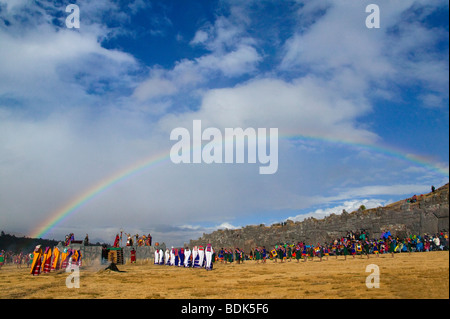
x,y
78,105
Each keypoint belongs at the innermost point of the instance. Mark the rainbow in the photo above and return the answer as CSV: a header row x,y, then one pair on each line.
x,y
381,149
61,214
64,212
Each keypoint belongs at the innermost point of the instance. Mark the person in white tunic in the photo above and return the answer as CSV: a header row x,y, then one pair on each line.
x,y
172,257
187,254
194,255
167,256
156,256
208,256
201,256
161,257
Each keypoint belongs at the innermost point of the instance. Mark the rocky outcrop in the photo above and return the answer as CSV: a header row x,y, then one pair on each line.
x,y
430,214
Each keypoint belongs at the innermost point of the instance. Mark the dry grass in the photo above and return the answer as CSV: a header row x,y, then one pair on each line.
x,y
406,276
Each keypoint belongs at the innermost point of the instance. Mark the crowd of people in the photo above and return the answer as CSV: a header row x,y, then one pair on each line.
x,y
144,240
18,259
352,244
42,260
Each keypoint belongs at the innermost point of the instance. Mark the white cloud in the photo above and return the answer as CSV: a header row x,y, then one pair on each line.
x,y
378,190
200,37
231,53
305,106
46,67
153,88
98,119
348,206
241,61
338,43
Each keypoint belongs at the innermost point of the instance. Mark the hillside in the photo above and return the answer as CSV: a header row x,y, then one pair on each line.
x,y
22,244
429,214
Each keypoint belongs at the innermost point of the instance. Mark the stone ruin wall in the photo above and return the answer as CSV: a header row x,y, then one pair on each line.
x,y
429,215
92,255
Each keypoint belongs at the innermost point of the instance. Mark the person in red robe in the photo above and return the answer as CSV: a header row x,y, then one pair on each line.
x,y
116,242
133,256
36,265
47,260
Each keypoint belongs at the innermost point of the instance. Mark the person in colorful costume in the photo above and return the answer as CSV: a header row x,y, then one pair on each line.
x,y
187,257
208,257
47,260
37,262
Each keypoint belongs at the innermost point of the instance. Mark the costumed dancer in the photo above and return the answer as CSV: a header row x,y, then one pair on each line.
x,y
326,251
167,257
181,257
280,253
353,249
208,256
274,253
177,257
289,252
161,257
2,258
305,253
334,249
264,254
366,248
116,241
36,265
133,256
187,257
47,260
129,240
172,256
195,257
298,252
30,259
375,248
157,250
359,248
201,256
66,261
56,262
319,251
221,253
77,259
73,258
225,255
345,250
237,255
229,255
391,245
63,257
257,255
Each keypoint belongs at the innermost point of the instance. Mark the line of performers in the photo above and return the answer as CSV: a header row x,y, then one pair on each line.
x,y
198,257
46,261
345,248
302,251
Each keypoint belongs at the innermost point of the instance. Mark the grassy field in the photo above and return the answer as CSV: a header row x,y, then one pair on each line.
x,y
406,276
